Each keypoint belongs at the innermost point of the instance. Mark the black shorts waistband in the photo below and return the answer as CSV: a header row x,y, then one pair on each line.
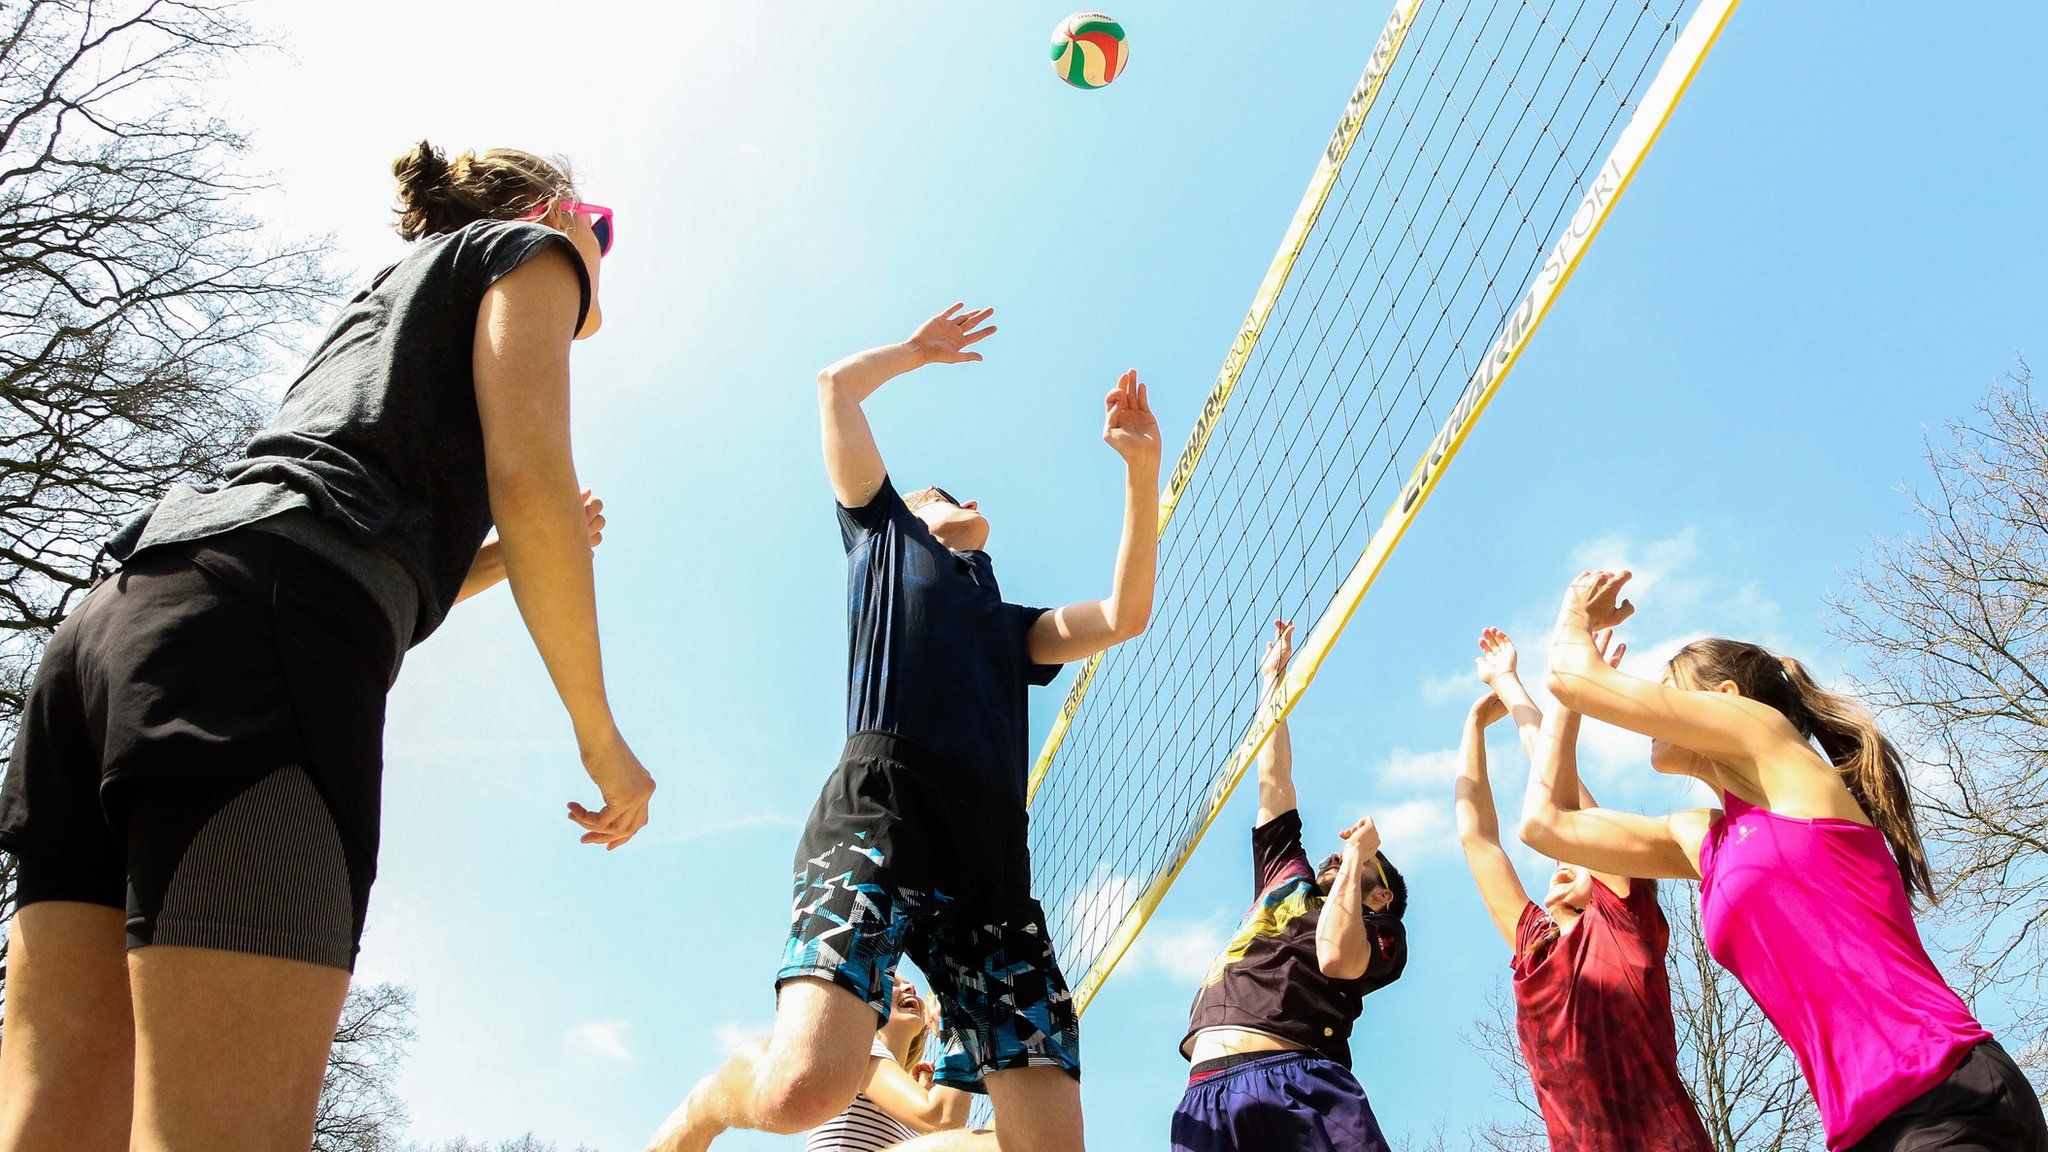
x,y
889,746
1221,1064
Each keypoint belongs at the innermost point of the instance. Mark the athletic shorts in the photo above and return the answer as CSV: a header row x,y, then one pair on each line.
x,y
906,854
1985,1105
202,748
1286,1102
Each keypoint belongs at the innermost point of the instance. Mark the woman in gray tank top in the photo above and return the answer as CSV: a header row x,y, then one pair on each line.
x,y
193,798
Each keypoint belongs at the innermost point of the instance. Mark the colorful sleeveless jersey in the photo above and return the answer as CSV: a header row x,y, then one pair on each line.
x,y
1593,1011
1812,917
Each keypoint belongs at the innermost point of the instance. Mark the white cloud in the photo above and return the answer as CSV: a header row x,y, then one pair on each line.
x,y
604,1039
1419,769
1414,829
1459,685
1101,906
732,1035
1181,950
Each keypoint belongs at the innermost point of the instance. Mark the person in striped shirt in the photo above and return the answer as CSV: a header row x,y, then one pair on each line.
x,y
898,1101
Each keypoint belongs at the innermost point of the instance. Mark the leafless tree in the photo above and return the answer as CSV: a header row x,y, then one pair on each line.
x,y
1952,619
359,1111
525,1143
1748,1089
140,301
1493,1036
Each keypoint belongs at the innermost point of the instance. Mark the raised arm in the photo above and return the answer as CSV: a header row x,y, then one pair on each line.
x,y
1619,844
1723,726
1078,631
521,366
915,1101
852,460
1343,946
1479,825
1276,759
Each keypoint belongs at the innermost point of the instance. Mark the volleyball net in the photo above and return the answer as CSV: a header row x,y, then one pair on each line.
x,y
1474,164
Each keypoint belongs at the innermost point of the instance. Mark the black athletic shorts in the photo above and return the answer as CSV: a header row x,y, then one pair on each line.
x,y
203,747
1985,1105
906,853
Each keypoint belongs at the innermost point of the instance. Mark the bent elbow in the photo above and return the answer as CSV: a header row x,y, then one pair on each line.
x,y
1339,965
1538,833
1568,685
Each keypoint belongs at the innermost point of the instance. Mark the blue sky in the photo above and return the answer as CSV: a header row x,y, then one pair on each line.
x,y
1838,243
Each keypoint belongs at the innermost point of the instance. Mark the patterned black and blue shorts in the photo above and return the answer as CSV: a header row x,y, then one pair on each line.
x,y
905,854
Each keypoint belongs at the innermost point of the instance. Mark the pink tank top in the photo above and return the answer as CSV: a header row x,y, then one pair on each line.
x,y
1812,917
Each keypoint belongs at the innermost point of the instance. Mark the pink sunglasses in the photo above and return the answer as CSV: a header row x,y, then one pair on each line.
x,y
600,219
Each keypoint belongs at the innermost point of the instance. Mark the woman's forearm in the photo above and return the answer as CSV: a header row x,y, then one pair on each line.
x,y
1477,819
545,550
485,573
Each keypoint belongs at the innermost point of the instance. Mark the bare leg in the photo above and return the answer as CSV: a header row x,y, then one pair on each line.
x,y
67,1070
229,1048
1037,1110
802,1076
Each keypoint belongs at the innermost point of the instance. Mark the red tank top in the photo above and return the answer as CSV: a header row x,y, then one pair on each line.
x,y
1593,1011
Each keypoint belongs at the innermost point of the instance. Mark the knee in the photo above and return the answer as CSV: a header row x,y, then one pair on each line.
x,y
800,1102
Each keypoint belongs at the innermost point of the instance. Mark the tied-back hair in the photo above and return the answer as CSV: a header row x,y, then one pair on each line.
x,y
436,194
1845,730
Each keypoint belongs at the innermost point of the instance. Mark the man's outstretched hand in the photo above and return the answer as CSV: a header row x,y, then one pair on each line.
x,y
1128,424
944,338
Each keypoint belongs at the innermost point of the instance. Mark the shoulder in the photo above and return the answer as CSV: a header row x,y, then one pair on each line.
x,y
478,255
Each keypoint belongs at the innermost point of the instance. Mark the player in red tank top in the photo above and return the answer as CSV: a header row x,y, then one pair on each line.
x,y
1592,1001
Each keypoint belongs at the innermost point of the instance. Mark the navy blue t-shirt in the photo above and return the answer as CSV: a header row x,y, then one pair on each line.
x,y
935,654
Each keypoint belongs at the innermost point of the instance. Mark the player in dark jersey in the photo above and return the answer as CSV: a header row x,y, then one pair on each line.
x,y
1592,1000
917,843
1269,1034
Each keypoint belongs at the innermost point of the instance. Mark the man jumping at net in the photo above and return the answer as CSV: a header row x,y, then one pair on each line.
x,y
917,843
1269,1034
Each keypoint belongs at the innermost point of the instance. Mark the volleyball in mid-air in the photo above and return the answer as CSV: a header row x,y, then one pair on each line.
x,y
1088,50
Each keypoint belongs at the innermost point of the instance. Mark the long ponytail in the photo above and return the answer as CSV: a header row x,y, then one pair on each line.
x,y
1846,732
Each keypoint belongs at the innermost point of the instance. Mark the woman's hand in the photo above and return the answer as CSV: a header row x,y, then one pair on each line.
x,y
593,518
1487,709
1591,601
1603,643
1128,425
944,338
1496,656
627,789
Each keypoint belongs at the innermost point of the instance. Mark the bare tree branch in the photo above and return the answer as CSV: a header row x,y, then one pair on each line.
x,y
1952,622
1748,1089
141,306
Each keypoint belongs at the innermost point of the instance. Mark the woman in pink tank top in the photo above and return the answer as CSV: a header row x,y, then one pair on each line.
x,y
1804,880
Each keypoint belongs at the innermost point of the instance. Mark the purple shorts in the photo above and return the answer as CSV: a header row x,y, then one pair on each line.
x,y
1287,1102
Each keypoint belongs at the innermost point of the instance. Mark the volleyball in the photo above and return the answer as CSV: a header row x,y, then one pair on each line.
x,y
1088,50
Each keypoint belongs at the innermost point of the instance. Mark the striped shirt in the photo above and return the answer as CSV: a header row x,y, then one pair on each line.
x,y
863,1127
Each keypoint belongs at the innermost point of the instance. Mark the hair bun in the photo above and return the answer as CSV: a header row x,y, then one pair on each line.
x,y
424,183
437,194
